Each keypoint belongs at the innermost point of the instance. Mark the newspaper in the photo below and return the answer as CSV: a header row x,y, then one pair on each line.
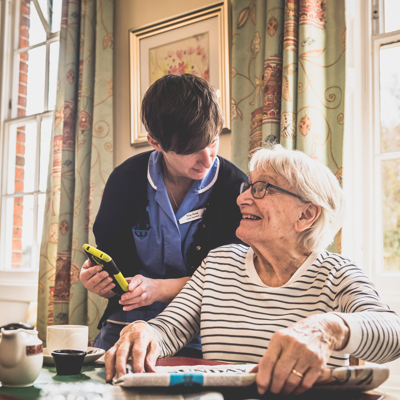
x,y
359,378
195,375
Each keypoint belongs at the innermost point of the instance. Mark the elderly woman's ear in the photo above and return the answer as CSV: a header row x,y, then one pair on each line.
x,y
309,214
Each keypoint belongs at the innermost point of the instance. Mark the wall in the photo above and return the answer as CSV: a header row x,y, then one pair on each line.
x,y
16,294
133,14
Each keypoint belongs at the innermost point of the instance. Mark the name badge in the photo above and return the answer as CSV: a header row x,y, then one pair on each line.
x,y
192,216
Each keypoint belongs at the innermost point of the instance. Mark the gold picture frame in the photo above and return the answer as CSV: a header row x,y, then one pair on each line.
x,y
183,44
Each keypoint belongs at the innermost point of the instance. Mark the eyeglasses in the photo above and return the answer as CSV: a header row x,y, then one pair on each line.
x,y
259,189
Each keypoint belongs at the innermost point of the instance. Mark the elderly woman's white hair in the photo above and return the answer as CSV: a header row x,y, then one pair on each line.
x,y
314,183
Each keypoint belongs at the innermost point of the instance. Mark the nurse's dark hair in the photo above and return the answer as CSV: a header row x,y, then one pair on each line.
x,y
182,113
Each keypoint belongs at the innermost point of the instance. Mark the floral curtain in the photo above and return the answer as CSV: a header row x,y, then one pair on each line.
x,y
80,163
288,78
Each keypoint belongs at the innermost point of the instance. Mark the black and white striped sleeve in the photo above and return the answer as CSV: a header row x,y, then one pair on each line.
x,y
179,323
374,328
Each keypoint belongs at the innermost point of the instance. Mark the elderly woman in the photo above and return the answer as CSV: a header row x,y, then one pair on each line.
x,y
285,302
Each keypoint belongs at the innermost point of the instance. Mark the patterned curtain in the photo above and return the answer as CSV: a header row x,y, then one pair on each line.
x,y
288,78
80,163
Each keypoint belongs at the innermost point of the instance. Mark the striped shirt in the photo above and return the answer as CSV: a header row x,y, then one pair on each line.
x,y
237,314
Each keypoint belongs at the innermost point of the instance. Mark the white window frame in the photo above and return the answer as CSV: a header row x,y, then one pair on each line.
x,y
362,233
19,285
15,286
388,280
357,238
8,125
377,41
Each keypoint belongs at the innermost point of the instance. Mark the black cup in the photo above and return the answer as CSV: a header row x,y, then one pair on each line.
x,y
68,362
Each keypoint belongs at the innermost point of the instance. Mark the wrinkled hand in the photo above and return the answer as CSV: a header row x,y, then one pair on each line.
x,y
142,292
137,340
96,280
305,347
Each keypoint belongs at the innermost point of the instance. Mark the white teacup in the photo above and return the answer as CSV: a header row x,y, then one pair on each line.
x,y
67,337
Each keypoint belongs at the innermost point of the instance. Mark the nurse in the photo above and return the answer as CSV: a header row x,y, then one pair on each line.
x,y
162,211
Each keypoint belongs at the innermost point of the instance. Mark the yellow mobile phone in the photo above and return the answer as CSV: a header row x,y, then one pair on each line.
x,y
98,257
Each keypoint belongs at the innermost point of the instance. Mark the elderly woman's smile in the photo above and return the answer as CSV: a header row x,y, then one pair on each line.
x,y
249,216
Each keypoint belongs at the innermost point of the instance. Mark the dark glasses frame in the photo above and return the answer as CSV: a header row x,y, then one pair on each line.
x,y
246,186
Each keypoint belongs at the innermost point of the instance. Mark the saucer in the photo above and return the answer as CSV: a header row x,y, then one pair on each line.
x,y
93,354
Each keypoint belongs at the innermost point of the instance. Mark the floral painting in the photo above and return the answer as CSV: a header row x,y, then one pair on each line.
x,y
188,55
196,43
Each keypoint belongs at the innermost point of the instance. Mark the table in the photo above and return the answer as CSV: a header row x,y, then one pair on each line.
x,y
95,375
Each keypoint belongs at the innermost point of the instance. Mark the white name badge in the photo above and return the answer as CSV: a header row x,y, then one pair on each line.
x,y
192,216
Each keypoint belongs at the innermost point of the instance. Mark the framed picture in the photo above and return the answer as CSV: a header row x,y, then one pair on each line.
x,y
196,43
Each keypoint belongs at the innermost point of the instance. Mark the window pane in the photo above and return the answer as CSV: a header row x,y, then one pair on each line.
x,y
45,141
30,156
53,76
34,81
390,98
21,158
36,33
391,214
56,15
44,6
11,154
9,231
51,10
392,11
41,205
27,232
19,232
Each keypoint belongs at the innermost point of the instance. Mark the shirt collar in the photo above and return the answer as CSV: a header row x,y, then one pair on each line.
x,y
154,173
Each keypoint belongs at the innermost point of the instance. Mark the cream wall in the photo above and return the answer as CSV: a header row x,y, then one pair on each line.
x,y
133,14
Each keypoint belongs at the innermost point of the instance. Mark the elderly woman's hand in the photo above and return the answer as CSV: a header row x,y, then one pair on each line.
x,y
138,340
297,356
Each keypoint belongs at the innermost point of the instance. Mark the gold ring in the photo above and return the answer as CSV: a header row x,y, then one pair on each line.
x,y
299,374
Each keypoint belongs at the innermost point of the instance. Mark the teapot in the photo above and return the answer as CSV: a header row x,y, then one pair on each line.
x,y
21,356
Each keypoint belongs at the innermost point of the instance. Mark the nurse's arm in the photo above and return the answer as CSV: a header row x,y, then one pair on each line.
x,y
145,291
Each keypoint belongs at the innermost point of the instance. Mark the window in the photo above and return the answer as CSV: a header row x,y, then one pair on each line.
x,y
30,45
386,112
371,234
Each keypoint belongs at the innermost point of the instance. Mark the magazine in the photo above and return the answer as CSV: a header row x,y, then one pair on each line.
x,y
360,378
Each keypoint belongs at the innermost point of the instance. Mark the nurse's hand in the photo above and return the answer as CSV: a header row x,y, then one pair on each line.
x,y
145,291
138,340
96,280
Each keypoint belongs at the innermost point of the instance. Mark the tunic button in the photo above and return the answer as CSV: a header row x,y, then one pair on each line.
x,y
198,248
202,226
